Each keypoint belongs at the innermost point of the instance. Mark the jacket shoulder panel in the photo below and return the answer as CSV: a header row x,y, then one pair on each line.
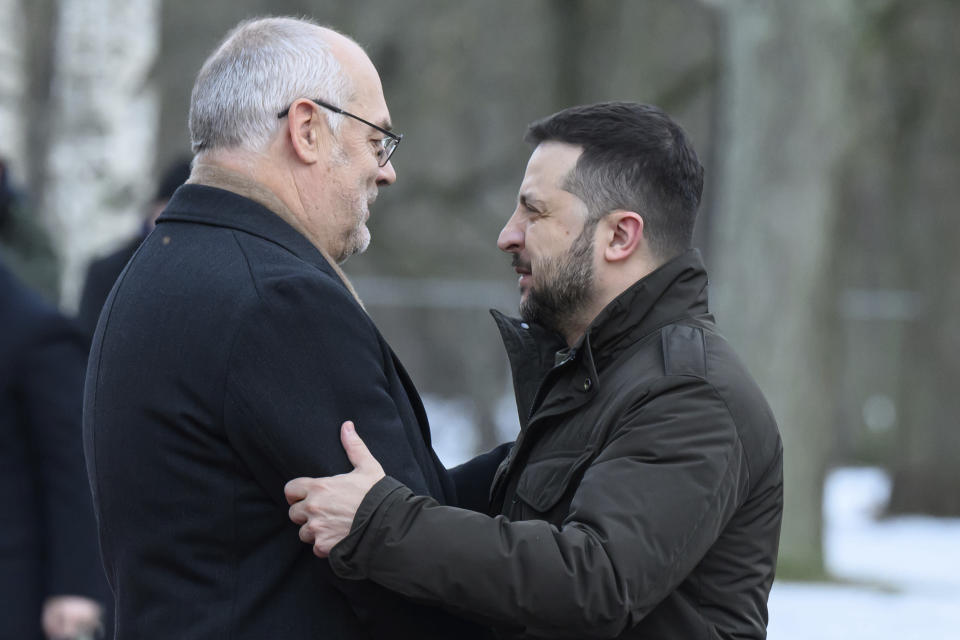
x,y
684,352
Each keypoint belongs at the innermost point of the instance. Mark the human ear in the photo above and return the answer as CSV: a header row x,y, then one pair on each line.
x,y
307,129
625,235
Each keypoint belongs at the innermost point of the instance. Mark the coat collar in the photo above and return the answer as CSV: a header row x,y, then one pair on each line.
x,y
222,198
676,290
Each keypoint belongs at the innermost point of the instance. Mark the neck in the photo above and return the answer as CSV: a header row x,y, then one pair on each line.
x,y
211,173
573,332
256,174
610,285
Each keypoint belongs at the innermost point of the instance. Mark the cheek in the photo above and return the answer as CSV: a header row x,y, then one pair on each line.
x,y
542,244
535,240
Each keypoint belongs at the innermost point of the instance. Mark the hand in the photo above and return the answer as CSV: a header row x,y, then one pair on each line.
x,y
325,507
70,616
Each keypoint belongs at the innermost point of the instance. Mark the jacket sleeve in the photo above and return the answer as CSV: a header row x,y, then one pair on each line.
x,y
306,359
51,393
648,508
474,477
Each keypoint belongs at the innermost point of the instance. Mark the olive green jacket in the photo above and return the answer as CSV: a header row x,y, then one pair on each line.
x,y
642,499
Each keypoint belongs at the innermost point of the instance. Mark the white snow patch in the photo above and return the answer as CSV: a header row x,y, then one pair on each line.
x,y
908,567
831,612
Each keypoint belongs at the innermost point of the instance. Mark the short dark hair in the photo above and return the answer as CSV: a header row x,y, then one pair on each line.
x,y
635,157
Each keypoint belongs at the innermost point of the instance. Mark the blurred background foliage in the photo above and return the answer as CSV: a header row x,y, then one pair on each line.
x,y
828,130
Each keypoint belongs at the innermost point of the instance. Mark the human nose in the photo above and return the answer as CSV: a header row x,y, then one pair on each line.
x,y
511,236
386,175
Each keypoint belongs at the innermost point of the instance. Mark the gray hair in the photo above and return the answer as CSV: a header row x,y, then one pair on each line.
x,y
261,67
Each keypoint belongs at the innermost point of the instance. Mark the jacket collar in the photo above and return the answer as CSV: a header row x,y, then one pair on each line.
x,y
676,290
222,198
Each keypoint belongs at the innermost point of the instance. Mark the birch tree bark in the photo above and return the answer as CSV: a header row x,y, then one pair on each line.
x,y
104,111
12,83
784,128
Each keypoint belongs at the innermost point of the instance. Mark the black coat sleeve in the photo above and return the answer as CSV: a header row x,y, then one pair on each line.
x,y
306,359
474,477
50,386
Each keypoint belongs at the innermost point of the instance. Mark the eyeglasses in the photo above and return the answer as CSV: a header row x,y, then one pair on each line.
x,y
386,146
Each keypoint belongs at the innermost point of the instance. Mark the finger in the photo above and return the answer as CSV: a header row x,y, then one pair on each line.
x,y
357,451
320,550
296,490
298,514
306,535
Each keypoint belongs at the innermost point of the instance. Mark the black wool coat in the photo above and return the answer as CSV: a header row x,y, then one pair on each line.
x,y
225,359
48,543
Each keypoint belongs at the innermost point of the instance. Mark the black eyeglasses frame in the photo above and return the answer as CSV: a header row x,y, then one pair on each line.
x,y
388,144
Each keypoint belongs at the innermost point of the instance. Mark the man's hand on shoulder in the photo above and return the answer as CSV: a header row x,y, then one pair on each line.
x,y
325,507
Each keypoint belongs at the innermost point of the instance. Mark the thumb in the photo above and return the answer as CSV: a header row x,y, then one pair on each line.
x,y
357,451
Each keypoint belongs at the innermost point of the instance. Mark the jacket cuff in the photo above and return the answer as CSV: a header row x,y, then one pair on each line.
x,y
347,557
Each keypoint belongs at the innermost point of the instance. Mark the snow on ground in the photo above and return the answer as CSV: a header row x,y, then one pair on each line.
x,y
900,576
905,571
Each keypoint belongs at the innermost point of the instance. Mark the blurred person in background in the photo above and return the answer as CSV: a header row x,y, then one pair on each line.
x,y
51,577
103,272
644,495
24,241
233,345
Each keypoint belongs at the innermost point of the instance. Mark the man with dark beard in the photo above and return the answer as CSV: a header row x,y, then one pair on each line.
x,y
643,496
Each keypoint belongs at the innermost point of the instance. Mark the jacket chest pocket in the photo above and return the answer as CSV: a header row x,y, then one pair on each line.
x,y
546,486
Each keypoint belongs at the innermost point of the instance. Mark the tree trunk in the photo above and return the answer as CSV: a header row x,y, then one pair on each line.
x,y
104,112
784,127
12,84
923,51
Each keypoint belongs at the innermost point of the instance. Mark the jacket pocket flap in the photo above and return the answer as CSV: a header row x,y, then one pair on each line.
x,y
544,482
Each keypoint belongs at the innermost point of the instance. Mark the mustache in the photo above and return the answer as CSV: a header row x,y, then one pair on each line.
x,y
515,261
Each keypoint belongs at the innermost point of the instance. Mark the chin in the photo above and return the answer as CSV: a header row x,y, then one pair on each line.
x,y
524,308
363,242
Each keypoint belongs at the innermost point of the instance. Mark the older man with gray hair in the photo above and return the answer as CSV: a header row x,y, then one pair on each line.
x,y
232,346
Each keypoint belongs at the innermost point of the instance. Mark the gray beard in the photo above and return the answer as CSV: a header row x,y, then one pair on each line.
x,y
566,288
355,241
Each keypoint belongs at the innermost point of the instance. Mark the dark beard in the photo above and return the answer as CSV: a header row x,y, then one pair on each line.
x,y
566,288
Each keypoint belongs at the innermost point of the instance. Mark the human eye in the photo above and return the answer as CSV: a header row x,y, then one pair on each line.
x,y
534,209
379,147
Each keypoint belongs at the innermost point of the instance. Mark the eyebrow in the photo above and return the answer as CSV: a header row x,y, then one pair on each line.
x,y
383,123
531,202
